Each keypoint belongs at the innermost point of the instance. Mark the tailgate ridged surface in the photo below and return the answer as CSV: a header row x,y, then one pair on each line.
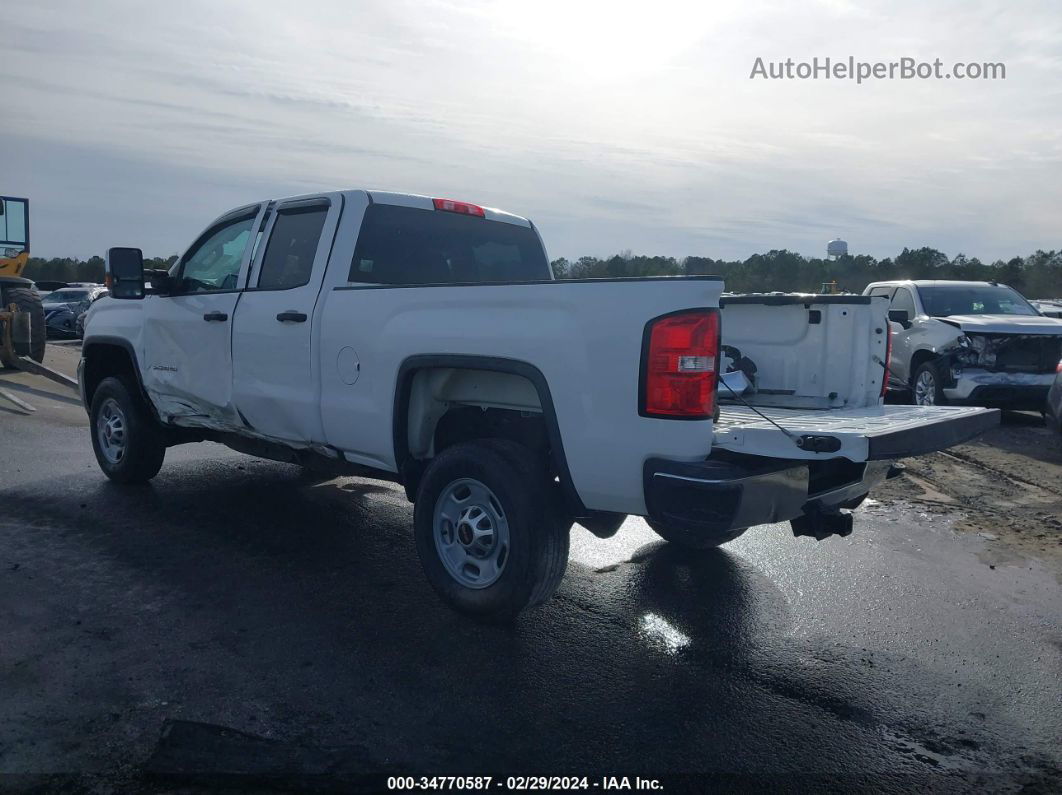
x,y
875,433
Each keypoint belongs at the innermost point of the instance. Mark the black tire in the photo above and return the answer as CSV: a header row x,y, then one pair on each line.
x,y
27,300
537,550
692,540
143,446
931,371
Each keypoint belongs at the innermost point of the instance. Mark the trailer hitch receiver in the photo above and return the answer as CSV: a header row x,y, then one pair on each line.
x,y
820,523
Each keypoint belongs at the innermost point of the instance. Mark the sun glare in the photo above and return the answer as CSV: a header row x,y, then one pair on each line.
x,y
602,41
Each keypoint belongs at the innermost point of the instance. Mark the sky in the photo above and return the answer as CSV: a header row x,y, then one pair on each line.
x,y
614,126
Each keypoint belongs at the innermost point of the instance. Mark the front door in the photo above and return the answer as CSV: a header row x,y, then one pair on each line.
x,y
905,342
187,345
275,378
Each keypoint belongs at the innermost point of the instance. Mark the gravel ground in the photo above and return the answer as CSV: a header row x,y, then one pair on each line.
x,y
1005,486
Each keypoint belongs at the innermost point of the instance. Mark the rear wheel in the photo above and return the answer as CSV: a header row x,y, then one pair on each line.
x,y
692,540
928,387
487,532
27,300
129,447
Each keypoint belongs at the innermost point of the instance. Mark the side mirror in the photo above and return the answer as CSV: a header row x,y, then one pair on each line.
x,y
161,282
125,273
900,316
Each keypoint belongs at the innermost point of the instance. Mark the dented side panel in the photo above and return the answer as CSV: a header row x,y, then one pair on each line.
x,y
188,360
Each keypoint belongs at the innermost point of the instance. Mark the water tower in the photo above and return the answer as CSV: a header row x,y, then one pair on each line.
x,y
836,248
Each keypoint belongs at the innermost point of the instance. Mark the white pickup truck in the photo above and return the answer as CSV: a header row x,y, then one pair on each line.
x,y
425,342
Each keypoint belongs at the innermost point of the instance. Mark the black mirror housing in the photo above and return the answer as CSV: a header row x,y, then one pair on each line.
x,y
900,316
125,273
161,282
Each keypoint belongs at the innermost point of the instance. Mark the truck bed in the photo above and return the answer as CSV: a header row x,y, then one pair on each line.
x,y
871,433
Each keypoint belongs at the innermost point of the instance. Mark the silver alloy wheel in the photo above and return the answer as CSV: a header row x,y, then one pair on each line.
x,y
471,533
110,431
926,389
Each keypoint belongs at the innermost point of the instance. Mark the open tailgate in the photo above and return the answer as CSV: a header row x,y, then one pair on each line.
x,y
876,433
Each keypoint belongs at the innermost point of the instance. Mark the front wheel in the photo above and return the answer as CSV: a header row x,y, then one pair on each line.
x,y
928,389
486,530
128,446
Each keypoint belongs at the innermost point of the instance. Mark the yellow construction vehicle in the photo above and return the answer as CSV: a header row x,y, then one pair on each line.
x,y
17,293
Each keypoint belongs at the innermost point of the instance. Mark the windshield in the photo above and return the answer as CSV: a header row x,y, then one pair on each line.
x,y
943,300
65,297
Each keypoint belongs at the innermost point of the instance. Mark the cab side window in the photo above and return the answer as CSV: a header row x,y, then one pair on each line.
x,y
903,300
213,263
292,247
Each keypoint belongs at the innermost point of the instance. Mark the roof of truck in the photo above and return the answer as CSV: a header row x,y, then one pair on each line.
x,y
928,282
934,282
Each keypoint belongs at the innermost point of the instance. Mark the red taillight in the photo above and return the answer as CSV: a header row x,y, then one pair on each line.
x,y
464,208
679,363
1058,369
888,360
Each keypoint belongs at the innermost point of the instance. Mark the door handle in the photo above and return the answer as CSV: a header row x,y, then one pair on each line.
x,y
292,317
219,316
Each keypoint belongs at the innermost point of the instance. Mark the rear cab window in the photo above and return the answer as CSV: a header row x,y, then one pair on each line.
x,y
407,245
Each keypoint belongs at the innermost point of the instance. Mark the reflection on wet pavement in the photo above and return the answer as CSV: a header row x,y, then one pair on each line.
x,y
661,634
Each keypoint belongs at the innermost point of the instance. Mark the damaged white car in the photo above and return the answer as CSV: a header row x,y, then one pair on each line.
x,y
975,343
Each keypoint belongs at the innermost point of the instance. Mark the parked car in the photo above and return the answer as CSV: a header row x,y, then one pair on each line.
x,y
977,343
424,341
62,308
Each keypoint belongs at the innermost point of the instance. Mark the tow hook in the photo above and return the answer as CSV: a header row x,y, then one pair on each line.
x,y
822,523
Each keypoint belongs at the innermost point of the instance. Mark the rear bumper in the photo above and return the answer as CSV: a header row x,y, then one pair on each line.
x,y
717,496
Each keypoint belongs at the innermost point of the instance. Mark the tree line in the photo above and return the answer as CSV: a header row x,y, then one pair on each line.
x,y
71,269
1037,275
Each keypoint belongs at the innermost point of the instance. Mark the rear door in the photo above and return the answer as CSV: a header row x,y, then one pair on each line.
x,y
275,380
187,353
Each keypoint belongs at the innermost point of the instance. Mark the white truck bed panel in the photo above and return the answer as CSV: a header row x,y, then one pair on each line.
x,y
872,433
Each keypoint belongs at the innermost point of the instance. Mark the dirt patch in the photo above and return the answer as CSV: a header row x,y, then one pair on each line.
x,y
1006,486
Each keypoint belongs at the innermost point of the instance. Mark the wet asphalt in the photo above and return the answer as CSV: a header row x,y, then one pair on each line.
x,y
140,625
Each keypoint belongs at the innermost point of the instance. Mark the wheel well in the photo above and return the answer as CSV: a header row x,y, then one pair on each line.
x,y
439,406
454,404
104,361
919,358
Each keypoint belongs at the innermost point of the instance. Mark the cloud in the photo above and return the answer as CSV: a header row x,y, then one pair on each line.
x,y
614,125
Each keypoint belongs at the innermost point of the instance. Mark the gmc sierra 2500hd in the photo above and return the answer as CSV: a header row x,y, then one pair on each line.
x,y
424,341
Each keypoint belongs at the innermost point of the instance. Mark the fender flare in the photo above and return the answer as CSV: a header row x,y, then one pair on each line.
x,y
404,384
118,342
